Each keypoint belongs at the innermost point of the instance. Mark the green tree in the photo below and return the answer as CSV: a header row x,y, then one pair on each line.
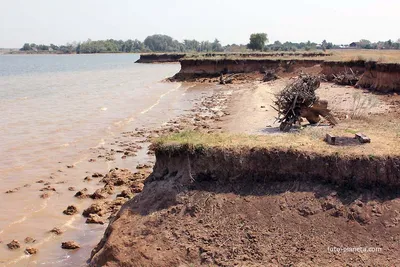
x,y
216,46
325,45
161,43
78,48
54,47
191,45
257,41
389,44
26,47
365,44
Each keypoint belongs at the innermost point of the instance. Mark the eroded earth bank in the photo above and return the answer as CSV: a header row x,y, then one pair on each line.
x,y
234,191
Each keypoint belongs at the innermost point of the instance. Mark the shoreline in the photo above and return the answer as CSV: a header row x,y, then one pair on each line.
x,y
106,188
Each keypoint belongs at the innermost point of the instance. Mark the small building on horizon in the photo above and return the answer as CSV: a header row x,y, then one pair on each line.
x,y
353,45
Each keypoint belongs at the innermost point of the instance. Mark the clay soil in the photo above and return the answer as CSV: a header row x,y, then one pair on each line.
x,y
278,224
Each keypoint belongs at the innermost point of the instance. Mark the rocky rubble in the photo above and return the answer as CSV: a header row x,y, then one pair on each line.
x,y
31,251
14,245
70,245
70,210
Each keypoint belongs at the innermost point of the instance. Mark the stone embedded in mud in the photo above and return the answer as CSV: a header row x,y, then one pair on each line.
x,y
94,219
29,240
71,188
99,194
56,231
88,179
116,176
118,181
143,166
137,187
48,188
71,210
93,209
40,181
44,195
130,154
81,194
126,194
70,245
12,191
359,214
109,189
309,208
331,203
31,251
97,175
14,245
119,201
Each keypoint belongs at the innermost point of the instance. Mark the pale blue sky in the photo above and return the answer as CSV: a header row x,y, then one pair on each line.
x,y
231,21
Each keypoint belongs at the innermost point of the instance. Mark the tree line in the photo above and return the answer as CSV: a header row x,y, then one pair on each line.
x,y
165,43
153,43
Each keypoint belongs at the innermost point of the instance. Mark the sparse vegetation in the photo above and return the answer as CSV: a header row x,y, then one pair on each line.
x,y
362,104
304,140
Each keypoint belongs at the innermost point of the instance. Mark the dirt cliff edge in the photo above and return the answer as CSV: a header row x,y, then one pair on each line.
x,y
249,207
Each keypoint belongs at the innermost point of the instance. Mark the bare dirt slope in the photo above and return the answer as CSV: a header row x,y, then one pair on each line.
x,y
254,224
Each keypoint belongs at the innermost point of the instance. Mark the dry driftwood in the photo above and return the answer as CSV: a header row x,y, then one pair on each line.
x,y
348,77
270,75
227,79
298,99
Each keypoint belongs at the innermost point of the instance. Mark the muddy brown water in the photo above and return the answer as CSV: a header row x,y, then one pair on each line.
x,y
59,111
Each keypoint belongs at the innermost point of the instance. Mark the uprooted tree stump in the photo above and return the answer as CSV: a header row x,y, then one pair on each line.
x,y
298,100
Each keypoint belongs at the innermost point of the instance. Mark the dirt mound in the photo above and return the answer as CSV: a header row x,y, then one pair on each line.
x,y
207,210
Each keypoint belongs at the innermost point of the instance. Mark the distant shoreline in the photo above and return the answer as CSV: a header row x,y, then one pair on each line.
x,y
56,53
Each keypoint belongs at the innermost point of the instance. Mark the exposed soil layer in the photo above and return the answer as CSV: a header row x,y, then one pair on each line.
x,y
331,68
382,77
215,67
160,58
176,57
217,207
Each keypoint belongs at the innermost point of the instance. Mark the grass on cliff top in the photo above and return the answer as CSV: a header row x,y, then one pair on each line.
x,y
343,55
380,56
307,140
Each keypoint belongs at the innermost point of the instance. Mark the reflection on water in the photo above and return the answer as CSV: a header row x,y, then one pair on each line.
x,y
53,110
